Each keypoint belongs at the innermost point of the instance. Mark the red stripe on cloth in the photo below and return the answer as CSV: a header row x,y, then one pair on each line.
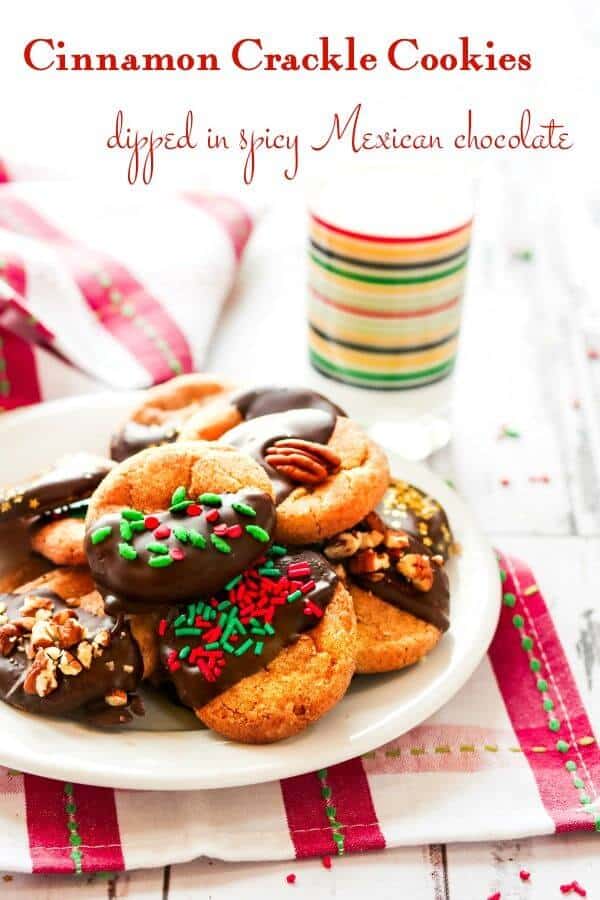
x,y
351,799
524,703
379,314
98,827
386,239
4,177
49,845
120,302
236,220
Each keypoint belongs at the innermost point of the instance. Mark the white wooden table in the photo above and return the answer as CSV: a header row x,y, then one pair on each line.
x,y
531,331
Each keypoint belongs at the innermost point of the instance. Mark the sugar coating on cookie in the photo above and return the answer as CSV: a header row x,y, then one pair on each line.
x,y
60,654
162,412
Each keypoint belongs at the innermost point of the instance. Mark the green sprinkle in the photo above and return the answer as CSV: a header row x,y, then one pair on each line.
x,y
277,550
570,766
198,540
219,544
233,583
295,595
214,645
553,724
181,534
126,530
137,526
243,647
100,534
187,632
211,500
132,515
527,642
240,627
224,604
548,704
209,614
179,495
258,631
269,571
258,648
191,613
269,629
524,255
160,562
243,509
179,507
535,665
229,648
258,533
509,599
510,432
200,608
542,685
127,552
518,621
562,746
185,652
157,547
179,620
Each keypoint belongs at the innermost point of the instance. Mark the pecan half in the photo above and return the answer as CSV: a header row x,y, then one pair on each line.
x,y
303,461
417,569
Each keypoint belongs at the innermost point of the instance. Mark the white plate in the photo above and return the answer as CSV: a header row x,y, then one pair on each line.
x,y
375,710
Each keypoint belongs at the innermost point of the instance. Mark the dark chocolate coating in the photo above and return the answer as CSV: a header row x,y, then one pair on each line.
x,y
410,509
432,606
254,436
69,481
135,586
133,437
84,692
290,622
264,401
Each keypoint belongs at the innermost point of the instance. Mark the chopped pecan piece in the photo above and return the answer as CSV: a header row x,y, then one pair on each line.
x,y
41,676
84,654
68,664
43,634
370,539
417,569
343,545
116,698
396,540
33,603
9,634
367,561
70,633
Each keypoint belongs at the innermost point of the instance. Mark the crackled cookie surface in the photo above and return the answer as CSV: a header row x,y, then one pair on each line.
x,y
162,412
60,654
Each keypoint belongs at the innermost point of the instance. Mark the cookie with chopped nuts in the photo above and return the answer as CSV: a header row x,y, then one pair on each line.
x,y
400,593
60,655
407,507
162,412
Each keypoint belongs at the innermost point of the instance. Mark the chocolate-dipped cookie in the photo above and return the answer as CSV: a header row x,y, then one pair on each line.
x,y
61,655
163,410
269,653
176,522
400,593
408,508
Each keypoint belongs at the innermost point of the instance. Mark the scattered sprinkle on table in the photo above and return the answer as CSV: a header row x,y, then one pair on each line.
x,y
505,482
523,254
291,878
507,432
524,875
495,896
326,860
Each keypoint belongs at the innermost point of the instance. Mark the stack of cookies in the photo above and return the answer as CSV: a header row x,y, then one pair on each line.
x,y
244,551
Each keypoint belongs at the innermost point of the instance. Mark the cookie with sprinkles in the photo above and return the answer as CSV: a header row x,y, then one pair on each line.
x,y
176,522
269,653
400,593
61,655
408,508
71,479
164,409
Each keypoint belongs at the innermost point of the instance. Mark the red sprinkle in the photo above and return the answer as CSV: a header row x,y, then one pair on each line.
x,y
495,896
162,627
326,860
234,531
194,509
163,531
593,354
524,875
298,570
177,554
151,522
579,890
291,878
308,586
504,482
566,888
220,530
539,479
213,515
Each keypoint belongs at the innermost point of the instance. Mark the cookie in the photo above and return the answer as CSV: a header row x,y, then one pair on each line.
x,y
162,411
60,654
326,473
241,406
176,522
270,654
73,478
401,593
408,508
60,540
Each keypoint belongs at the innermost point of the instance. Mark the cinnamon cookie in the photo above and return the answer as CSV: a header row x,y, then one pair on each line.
x,y
60,654
267,655
400,592
326,473
233,408
162,412
60,540
177,522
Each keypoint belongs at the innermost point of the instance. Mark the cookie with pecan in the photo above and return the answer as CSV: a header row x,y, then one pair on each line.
x,y
163,410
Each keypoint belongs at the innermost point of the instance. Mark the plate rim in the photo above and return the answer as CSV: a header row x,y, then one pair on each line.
x,y
275,767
